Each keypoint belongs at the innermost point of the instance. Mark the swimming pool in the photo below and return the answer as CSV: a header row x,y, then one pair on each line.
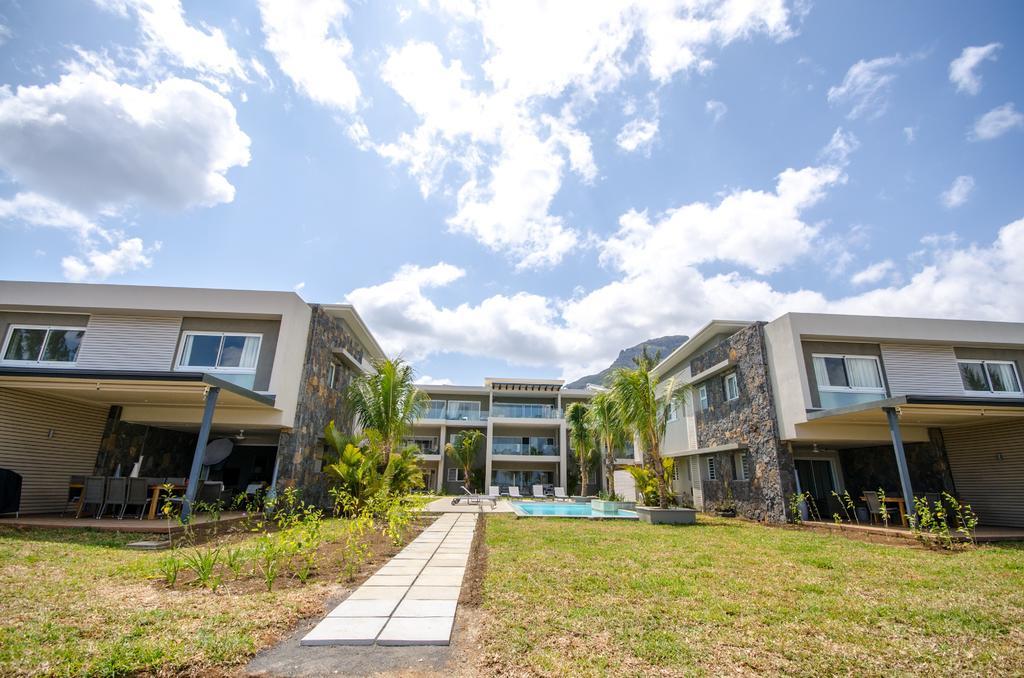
x,y
536,509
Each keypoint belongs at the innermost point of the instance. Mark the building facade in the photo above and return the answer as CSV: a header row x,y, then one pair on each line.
x,y
94,378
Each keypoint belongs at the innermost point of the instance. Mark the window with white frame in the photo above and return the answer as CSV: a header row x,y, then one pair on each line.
x,y
990,377
702,396
848,373
712,471
42,344
456,475
673,411
231,356
732,386
675,472
742,463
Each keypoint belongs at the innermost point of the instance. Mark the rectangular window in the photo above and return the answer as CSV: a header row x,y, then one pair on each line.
x,y
464,410
732,387
219,351
712,471
673,411
848,373
35,344
742,463
990,377
702,394
456,475
332,374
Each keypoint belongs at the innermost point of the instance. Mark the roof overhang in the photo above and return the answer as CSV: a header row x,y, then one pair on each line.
x,y
130,388
524,385
698,340
347,312
924,410
727,447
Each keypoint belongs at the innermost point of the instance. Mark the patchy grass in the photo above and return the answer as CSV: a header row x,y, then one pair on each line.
x,y
76,603
577,597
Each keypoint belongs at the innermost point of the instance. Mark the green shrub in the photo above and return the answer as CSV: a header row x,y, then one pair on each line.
x,y
170,565
203,563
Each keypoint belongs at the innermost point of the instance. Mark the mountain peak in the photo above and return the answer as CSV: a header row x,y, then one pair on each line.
x,y
665,345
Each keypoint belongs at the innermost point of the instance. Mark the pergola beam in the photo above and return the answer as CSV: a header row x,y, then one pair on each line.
x,y
192,490
901,459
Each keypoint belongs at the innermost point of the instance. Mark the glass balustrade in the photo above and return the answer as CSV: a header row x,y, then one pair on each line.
x,y
525,411
527,447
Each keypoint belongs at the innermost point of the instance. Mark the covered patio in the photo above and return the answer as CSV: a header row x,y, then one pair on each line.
x,y
60,423
915,447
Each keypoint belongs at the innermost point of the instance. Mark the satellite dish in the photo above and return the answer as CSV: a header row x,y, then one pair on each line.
x,y
218,451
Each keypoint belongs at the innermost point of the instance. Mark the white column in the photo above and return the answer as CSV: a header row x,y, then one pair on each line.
x,y
441,441
563,456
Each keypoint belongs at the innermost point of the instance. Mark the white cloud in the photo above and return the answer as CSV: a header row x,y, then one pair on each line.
x,y
5,34
308,41
33,209
127,255
873,273
716,109
866,87
490,138
298,287
165,30
961,69
427,380
996,123
838,149
637,134
958,192
92,143
910,134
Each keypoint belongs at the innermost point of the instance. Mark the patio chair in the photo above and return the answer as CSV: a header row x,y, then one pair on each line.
x,y
138,495
93,492
875,508
76,497
117,495
210,491
494,491
561,495
513,492
538,492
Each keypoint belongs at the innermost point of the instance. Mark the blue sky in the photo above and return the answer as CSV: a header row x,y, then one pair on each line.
x,y
505,188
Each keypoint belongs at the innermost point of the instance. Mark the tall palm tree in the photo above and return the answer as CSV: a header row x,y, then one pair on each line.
x,y
463,452
387,401
582,438
646,415
607,426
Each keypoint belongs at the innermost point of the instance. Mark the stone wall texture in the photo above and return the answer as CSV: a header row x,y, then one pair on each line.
x,y
301,450
750,420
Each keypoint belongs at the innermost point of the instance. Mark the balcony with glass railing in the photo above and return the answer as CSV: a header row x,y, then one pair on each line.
x,y
453,411
525,411
532,447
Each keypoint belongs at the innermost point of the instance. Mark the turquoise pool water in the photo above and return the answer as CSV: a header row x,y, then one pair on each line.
x,y
565,509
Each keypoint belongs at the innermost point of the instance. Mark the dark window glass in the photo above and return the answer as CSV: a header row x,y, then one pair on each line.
x,y
836,369
25,344
973,376
231,356
62,345
204,349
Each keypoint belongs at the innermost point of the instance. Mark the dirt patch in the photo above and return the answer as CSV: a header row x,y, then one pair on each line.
x,y
472,595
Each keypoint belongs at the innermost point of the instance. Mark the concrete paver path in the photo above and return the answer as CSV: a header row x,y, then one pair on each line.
x,y
412,599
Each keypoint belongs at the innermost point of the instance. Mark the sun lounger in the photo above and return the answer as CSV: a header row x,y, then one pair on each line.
x,y
561,495
513,492
538,492
494,492
473,499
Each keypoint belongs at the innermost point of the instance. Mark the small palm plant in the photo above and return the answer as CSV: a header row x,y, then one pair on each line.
x,y
645,414
387,401
607,427
463,452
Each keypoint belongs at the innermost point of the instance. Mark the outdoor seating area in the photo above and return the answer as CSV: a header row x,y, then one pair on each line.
x,y
140,497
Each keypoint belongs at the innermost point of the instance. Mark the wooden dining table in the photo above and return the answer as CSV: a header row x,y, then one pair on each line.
x,y
902,505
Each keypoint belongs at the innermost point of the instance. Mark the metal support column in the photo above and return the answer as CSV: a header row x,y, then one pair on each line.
x,y
901,459
197,459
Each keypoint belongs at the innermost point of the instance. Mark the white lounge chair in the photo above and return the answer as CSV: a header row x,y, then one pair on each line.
x,y
538,492
513,492
473,499
494,492
560,494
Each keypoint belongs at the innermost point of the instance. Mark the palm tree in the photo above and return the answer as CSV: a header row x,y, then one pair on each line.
x,y
578,420
645,414
463,452
607,426
387,401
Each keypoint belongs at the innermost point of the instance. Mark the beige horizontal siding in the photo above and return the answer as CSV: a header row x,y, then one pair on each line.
x,y
124,342
45,464
988,468
921,370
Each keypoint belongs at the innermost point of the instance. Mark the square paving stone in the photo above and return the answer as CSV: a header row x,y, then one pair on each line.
x,y
417,631
390,580
396,567
426,608
345,631
379,593
433,593
365,608
439,580
441,570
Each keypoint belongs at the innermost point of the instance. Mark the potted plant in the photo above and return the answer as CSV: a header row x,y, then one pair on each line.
x,y
727,507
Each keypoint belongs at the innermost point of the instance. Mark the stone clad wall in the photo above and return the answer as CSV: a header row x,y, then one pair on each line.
x,y
750,419
300,451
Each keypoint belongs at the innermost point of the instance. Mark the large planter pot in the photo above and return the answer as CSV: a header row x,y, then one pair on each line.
x,y
604,506
669,516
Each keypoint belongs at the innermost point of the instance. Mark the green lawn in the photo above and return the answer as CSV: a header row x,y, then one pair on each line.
x,y
575,597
